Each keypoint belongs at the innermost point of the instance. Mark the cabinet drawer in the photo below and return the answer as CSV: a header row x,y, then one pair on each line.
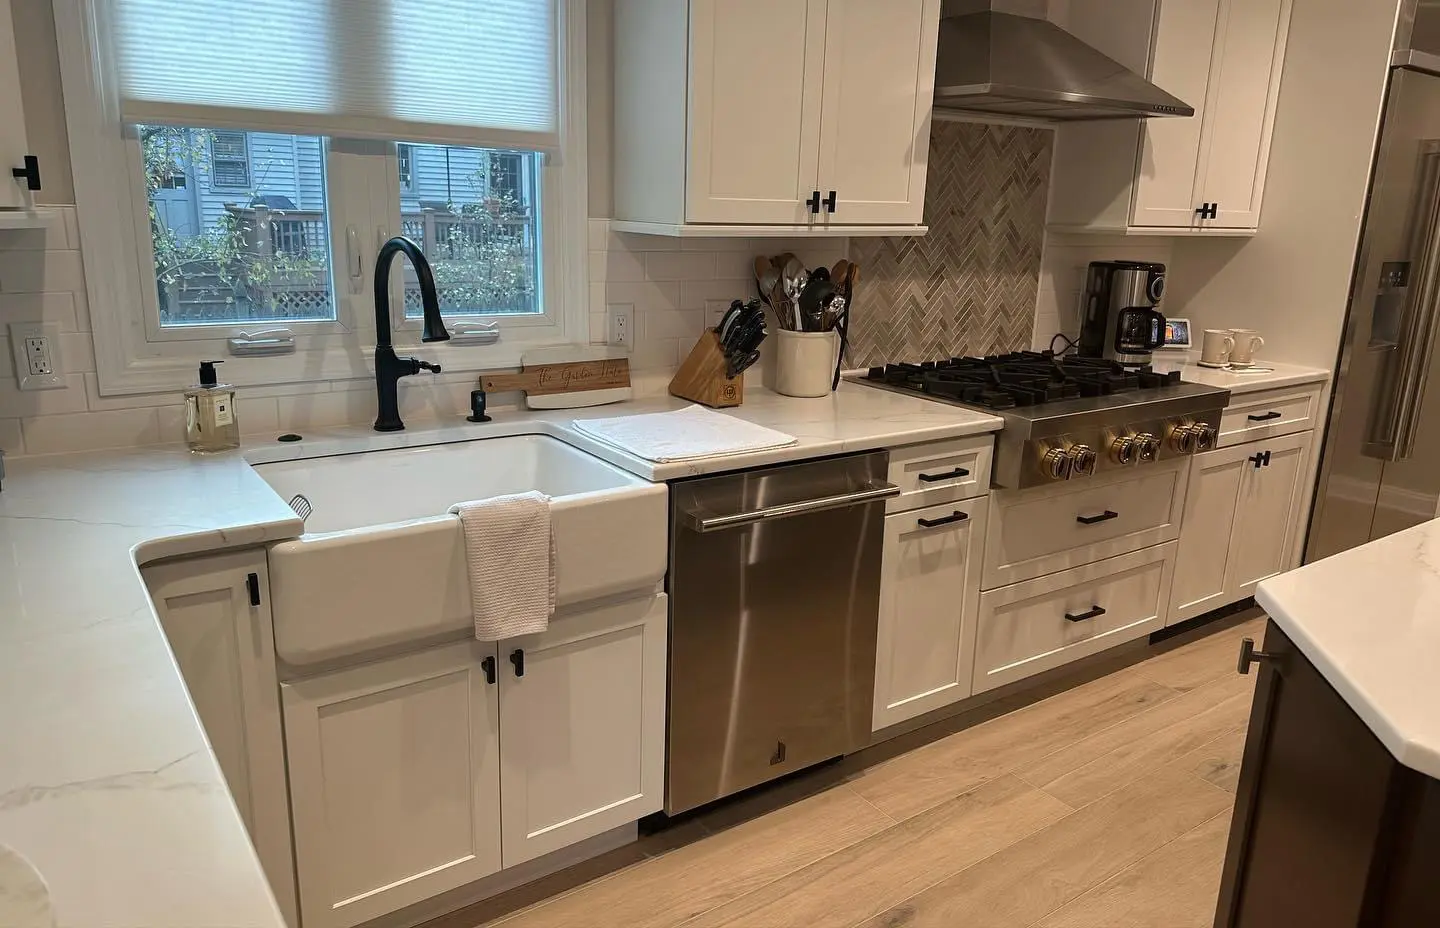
x,y
1269,414
1039,531
1037,625
940,472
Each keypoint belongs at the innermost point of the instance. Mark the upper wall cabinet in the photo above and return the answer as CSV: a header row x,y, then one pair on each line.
x,y
1201,175
14,191
750,117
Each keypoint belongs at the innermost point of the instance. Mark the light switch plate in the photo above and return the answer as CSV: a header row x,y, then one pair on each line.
x,y
36,349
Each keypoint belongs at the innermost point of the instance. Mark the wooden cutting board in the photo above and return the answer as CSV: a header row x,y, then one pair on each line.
x,y
553,378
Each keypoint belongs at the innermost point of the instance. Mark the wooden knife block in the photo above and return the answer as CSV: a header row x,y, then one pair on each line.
x,y
701,378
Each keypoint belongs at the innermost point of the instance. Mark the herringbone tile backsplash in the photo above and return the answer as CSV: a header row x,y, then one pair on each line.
x,y
967,288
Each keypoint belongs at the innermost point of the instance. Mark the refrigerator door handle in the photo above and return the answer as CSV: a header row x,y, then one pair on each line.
x,y
1392,438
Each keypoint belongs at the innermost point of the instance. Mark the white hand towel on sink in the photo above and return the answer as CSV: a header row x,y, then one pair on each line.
x,y
683,435
511,556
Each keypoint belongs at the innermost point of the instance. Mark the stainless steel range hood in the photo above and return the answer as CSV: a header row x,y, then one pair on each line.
x,y
1002,63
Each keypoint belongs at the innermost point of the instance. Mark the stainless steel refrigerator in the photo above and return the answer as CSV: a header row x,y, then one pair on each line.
x,y
1380,472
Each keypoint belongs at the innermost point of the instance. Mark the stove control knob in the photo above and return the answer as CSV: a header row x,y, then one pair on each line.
x,y
1082,460
1147,447
1205,436
1124,450
1055,464
1182,438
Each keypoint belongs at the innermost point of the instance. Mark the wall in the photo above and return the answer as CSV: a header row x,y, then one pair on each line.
x,y
1062,277
969,286
1291,281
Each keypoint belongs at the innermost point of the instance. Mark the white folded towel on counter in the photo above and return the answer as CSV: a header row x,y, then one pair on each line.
x,y
683,435
511,557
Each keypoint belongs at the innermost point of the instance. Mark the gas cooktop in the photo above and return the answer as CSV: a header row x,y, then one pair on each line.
x,y
1065,416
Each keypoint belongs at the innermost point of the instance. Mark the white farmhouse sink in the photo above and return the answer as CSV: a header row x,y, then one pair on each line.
x,y
382,562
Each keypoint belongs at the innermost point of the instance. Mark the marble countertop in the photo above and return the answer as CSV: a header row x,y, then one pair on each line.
x,y
107,784
1369,620
1266,375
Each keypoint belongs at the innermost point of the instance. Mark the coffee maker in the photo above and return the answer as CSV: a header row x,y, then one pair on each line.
x,y
1120,319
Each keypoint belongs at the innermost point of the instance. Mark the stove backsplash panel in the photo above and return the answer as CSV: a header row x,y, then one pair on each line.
x,y
969,286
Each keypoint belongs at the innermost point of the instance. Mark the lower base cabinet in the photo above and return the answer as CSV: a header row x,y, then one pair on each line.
x,y
1037,625
421,773
929,593
1242,521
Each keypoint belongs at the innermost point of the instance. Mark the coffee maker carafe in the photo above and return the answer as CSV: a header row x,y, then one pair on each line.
x,y
1121,321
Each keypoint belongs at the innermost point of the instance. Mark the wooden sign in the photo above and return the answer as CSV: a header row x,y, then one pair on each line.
x,y
565,377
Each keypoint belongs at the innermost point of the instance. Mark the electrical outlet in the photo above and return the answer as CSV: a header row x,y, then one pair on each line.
x,y
622,323
35,346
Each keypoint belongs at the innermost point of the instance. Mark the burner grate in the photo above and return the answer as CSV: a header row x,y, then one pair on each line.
x,y
1024,378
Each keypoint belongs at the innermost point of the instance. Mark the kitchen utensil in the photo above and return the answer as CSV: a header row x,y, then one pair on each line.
x,y
1247,342
1216,347
567,377
739,364
728,321
767,276
817,293
838,272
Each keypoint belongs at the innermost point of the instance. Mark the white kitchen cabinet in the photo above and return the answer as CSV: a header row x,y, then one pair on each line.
x,y
741,116
1199,175
929,594
582,726
395,776
215,611
1243,515
13,147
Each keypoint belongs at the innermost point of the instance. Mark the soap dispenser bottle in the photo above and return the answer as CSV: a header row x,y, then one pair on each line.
x,y
210,423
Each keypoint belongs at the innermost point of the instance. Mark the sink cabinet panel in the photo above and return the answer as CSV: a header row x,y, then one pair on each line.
x,y
395,777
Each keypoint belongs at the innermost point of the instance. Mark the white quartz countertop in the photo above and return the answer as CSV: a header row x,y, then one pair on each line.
x,y
107,784
1369,620
1265,375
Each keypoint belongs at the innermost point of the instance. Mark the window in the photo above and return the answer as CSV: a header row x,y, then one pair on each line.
x,y
405,155
223,259
229,159
233,189
482,239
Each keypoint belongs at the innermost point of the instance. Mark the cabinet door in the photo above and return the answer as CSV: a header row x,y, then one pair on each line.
x,y
396,782
1268,512
582,726
756,68
1202,563
875,112
12,117
1167,192
1250,49
225,648
929,594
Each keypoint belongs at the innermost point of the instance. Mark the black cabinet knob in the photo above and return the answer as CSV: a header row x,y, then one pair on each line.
x,y
30,172
1248,656
830,202
488,665
814,203
517,658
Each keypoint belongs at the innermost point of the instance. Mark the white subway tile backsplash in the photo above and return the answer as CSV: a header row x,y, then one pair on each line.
x,y
654,295
657,354
11,441
623,266
685,324
83,431
15,402
630,241
257,415
597,266
599,328
737,243
40,272
736,264
696,294
57,308
679,265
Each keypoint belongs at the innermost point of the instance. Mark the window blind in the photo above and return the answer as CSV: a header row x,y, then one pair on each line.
x,y
476,72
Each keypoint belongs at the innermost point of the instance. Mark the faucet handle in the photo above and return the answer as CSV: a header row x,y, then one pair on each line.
x,y
427,366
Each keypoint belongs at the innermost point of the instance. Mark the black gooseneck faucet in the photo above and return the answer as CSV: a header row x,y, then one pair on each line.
x,y
388,368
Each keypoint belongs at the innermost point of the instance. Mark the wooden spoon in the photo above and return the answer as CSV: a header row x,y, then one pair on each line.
x,y
837,273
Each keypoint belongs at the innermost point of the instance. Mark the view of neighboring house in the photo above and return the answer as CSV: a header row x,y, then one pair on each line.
x,y
470,210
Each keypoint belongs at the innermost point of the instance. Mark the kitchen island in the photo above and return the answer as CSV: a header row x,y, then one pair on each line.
x,y
1337,817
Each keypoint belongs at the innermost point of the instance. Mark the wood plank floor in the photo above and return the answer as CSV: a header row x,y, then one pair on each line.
x,y
1105,806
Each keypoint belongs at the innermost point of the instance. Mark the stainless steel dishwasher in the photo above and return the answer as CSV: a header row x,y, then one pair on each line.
x,y
774,598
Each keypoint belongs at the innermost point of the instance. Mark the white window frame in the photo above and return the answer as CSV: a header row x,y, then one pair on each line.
x,y
133,356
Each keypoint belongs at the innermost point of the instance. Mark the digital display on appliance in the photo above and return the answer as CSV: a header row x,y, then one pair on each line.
x,y
1177,333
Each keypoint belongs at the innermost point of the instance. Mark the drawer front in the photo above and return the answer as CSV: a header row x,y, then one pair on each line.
x,y
1269,414
1030,627
940,472
1039,531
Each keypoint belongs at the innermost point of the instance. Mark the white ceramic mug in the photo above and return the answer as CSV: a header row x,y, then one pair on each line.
x,y
1247,342
1216,347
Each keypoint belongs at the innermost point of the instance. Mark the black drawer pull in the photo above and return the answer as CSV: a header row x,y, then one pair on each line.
x,y
488,665
1105,516
517,657
957,516
1095,612
932,478
1272,414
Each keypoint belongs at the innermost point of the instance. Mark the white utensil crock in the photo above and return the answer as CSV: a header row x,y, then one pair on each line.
x,y
804,362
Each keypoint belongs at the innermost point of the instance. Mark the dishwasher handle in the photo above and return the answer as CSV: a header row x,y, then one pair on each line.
x,y
870,494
